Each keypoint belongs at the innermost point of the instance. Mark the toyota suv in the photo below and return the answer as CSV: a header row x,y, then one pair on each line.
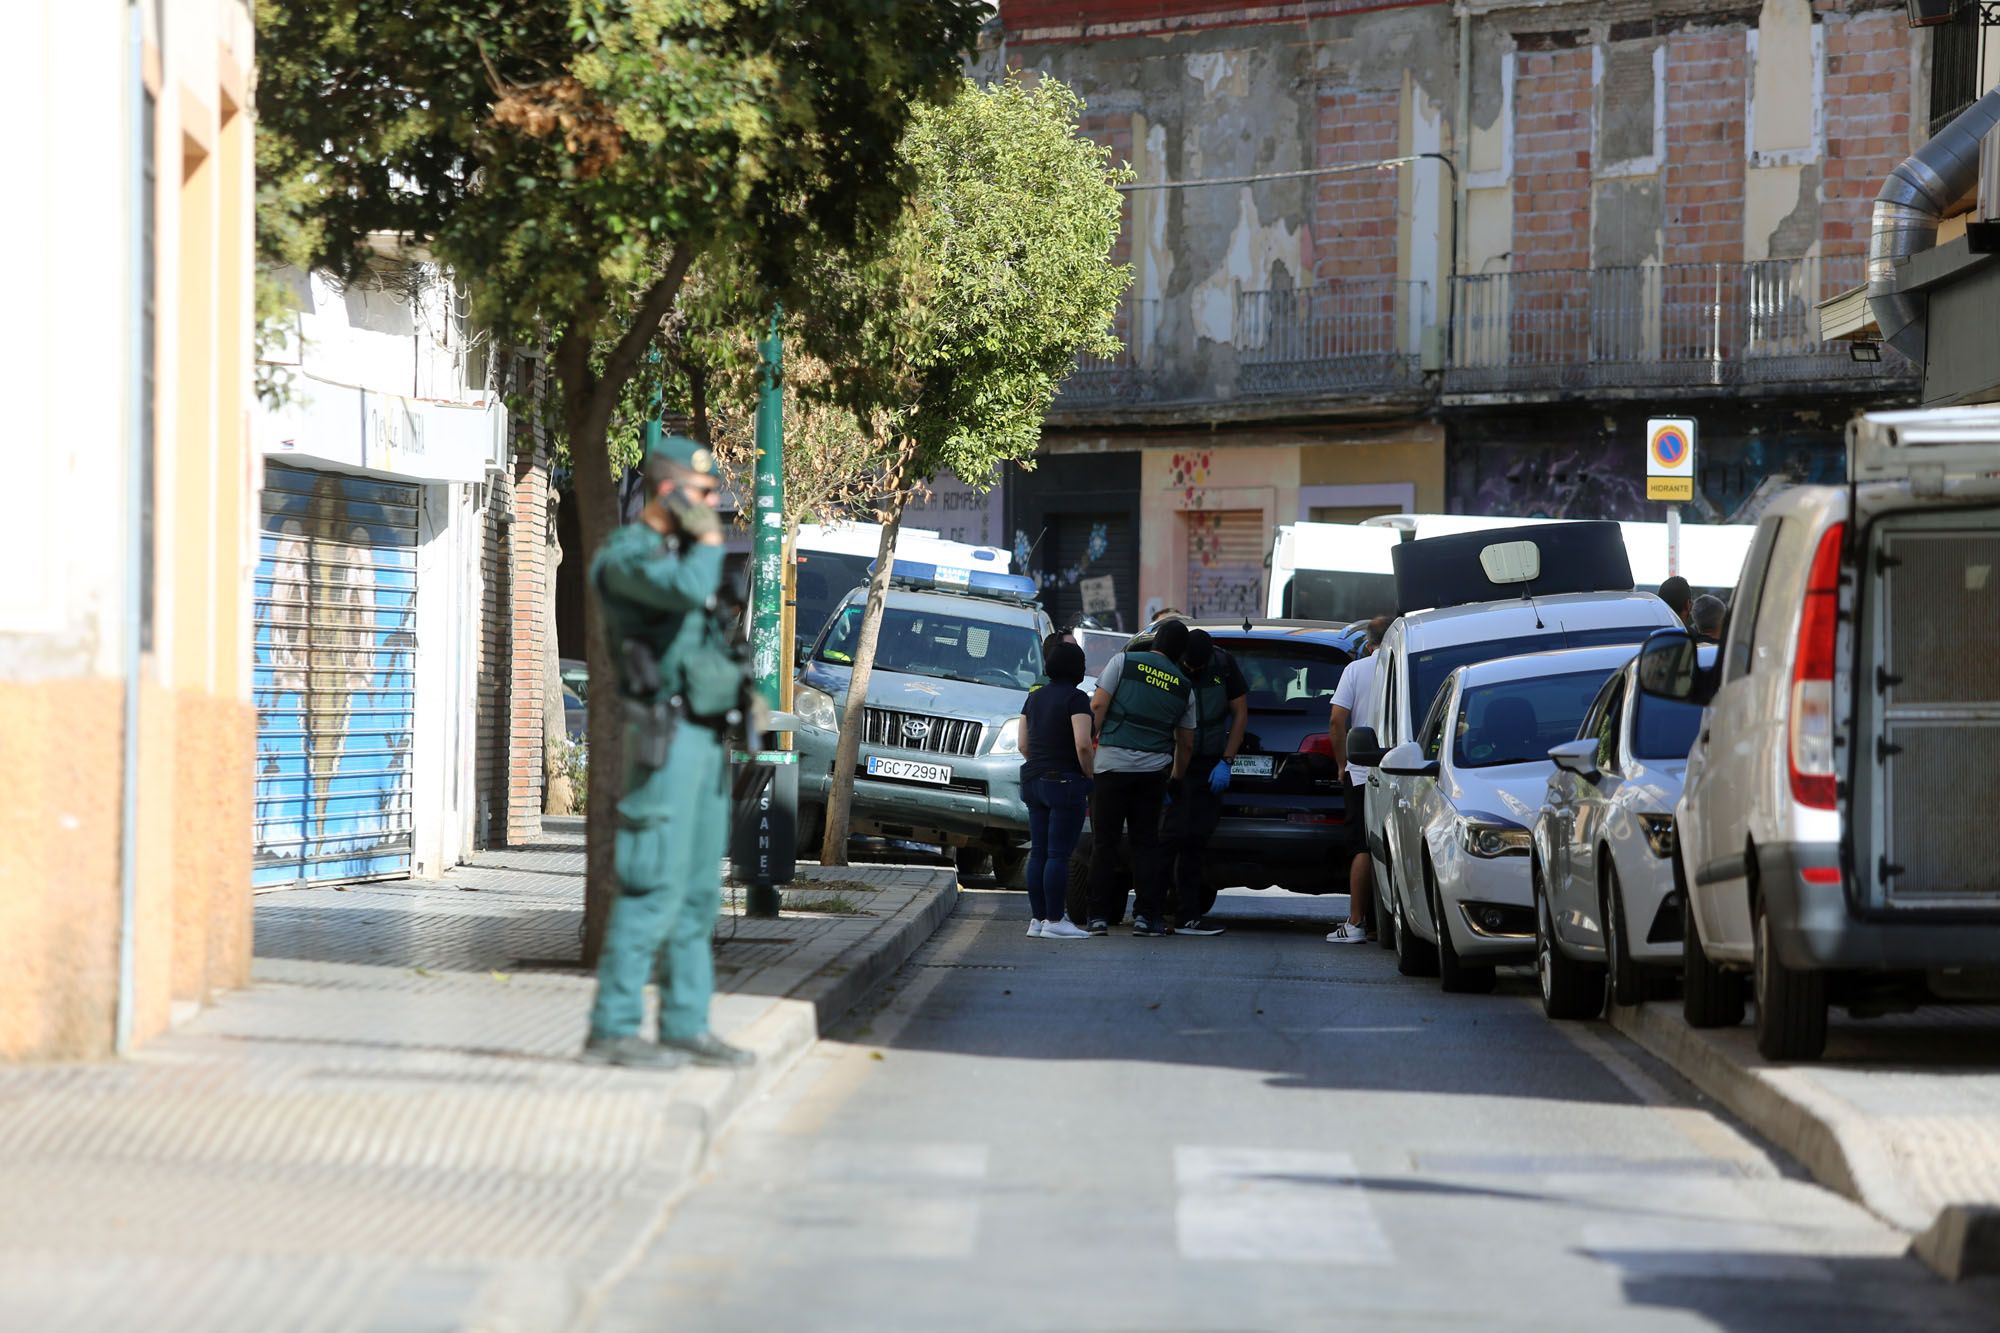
x,y
940,758
1834,832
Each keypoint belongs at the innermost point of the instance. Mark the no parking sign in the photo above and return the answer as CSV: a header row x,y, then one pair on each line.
x,y
1670,458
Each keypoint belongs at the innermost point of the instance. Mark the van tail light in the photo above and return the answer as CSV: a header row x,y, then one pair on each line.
x,y
1317,742
1811,725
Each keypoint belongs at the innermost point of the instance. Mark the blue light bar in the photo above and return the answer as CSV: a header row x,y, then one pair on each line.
x,y
956,578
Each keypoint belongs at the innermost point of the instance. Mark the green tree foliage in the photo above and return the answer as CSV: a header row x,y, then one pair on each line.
x,y
997,274
571,160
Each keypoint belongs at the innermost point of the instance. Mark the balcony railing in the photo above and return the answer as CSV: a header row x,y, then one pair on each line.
x,y
1354,336
1129,375
1654,325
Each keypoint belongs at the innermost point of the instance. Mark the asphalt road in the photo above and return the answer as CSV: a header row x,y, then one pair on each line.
x,y
1254,1131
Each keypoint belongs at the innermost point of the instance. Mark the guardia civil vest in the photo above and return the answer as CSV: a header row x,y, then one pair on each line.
x,y
1211,711
1147,705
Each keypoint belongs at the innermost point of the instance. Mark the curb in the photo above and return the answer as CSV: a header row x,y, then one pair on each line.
x,y
781,1038
1838,1146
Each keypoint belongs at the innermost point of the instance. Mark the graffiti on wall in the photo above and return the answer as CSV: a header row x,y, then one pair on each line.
x,y
1188,473
1736,479
334,677
1225,574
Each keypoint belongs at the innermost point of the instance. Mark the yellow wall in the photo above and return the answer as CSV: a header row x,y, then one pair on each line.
x,y
1414,455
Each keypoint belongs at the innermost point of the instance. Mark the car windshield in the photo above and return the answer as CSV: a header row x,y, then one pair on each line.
x,y
949,645
1517,721
1288,678
1428,669
1664,728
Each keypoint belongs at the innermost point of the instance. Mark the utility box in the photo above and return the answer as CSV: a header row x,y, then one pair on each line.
x,y
764,822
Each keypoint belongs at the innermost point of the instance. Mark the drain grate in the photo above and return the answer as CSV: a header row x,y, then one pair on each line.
x,y
974,967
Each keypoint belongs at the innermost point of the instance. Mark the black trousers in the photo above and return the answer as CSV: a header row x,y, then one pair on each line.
x,y
1191,820
1127,805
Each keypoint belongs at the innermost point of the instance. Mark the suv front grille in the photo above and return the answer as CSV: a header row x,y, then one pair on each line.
x,y
921,732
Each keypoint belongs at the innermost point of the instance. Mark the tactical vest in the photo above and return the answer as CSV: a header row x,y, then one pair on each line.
x,y
1211,712
1152,695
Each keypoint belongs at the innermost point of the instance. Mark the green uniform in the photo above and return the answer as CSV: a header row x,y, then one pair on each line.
x,y
673,819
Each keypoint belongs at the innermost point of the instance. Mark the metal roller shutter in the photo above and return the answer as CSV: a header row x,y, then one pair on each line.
x,y
1225,564
335,677
1081,547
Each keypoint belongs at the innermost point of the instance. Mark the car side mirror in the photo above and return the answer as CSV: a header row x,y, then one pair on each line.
x,y
1407,761
1578,757
1670,668
1363,748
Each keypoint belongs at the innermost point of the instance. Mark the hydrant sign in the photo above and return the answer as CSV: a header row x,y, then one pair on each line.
x,y
1670,458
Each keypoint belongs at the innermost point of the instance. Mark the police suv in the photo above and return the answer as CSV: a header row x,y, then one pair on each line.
x,y
940,757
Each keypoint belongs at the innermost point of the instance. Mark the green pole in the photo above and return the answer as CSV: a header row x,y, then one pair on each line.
x,y
767,556
767,594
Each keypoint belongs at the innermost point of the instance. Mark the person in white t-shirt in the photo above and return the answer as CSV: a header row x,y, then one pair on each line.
x,y
1354,706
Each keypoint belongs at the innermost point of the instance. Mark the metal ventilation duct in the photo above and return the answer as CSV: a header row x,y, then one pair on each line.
x,y
1907,211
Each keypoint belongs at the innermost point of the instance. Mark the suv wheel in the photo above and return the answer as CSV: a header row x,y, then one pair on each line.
x,y
1710,997
1010,868
1076,895
1385,919
1457,978
973,863
1414,957
1570,990
1625,983
1791,1003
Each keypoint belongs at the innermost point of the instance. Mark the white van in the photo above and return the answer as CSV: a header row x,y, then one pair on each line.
x,y
1596,606
1834,835
832,560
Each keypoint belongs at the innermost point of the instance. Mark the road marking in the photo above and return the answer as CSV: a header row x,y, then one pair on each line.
x,y
1274,1204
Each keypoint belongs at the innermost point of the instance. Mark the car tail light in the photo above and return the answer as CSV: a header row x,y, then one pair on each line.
x,y
1317,742
1811,724
1315,817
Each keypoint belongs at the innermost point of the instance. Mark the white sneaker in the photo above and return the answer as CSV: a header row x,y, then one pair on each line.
x,y
1064,929
1347,933
1035,929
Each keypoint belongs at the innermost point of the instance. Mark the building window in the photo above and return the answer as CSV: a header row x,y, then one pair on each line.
x,y
1955,65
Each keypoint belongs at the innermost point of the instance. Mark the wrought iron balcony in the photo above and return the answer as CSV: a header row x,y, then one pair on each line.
x,y
1128,376
1718,326
1352,336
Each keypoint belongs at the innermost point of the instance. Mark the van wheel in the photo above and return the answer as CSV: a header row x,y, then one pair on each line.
x,y
1625,982
1791,1003
1570,990
1457,978
1710,997
1414,957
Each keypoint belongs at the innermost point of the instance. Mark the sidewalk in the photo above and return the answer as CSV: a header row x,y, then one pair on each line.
x,y
389,1129
1902,1115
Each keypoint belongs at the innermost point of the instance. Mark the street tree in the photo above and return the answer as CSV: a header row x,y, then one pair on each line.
x,y
571,160
996,275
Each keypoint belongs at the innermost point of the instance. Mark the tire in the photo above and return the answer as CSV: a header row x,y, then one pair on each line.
x,y
1710,997
1010,868
1457,978
973,863
1414,957
1385,920
810,829
1076,896
1571,991
1625,981
1791,1003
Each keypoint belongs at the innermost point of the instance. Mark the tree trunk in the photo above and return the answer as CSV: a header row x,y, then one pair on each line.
x,y
597,508
833,849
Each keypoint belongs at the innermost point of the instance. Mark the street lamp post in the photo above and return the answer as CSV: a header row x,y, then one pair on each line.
x,y
775,790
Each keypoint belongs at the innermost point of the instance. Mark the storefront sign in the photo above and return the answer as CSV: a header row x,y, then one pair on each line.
x,y
362,431
958,512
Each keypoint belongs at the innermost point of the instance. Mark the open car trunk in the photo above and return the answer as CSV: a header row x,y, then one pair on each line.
x,y
1924,597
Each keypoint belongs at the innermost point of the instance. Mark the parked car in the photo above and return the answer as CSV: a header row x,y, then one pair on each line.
x,y
575,674
1283,814
1456,614
940,758
1473,778
1835,829
1607,914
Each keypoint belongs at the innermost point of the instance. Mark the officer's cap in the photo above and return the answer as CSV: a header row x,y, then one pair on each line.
x,y
681,452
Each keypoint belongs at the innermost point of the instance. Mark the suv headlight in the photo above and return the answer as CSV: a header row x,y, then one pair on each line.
x,y
1009,740
1659,833
815,708
1490,840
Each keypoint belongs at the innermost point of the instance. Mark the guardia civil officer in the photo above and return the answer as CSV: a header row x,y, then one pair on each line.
x,y
656,580
1222,713
1144,710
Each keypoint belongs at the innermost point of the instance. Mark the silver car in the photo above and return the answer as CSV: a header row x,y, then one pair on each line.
x,y
940,757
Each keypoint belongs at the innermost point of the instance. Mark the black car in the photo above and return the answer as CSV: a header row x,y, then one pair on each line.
x,y
1283,813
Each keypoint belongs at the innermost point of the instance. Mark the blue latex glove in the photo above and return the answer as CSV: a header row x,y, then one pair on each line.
x,y
1218,777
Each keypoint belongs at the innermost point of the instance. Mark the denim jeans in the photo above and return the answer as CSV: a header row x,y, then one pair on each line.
x,y
1056,804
